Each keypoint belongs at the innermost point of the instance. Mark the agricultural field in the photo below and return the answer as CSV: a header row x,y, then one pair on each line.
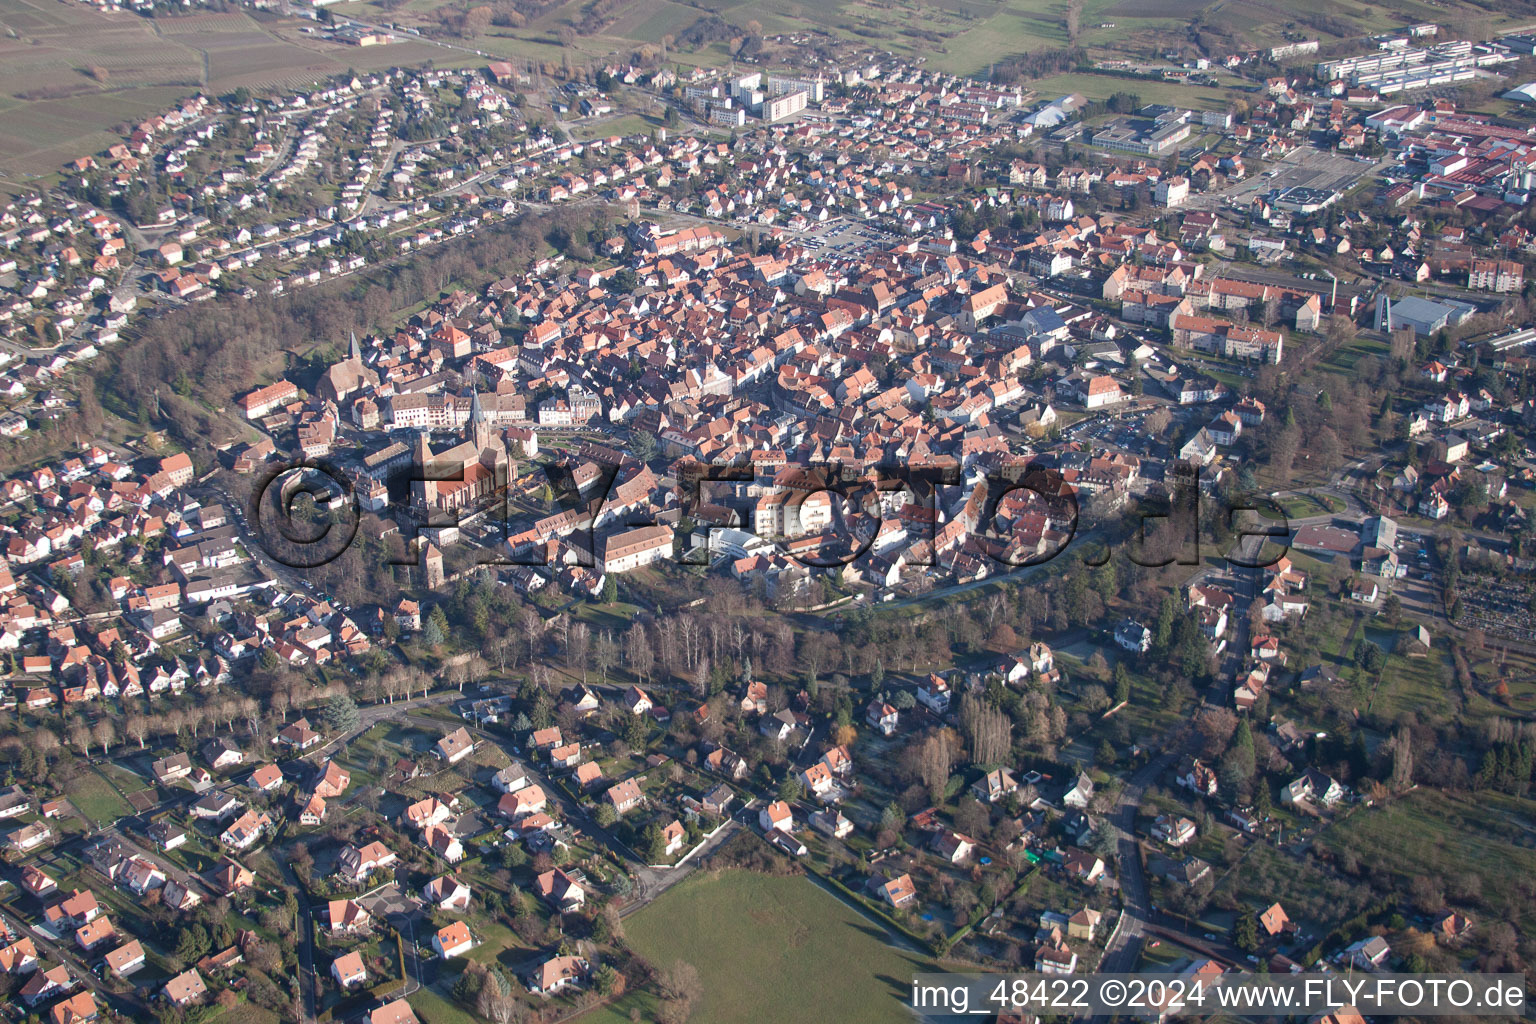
x,y
770,949
962,36
70,75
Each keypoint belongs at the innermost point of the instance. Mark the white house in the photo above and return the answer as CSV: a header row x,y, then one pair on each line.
x,y
452,940
776,815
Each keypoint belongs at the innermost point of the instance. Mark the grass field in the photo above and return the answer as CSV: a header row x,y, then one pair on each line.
x,y
1304,506
433,1008
244,1012
95,798
1413,685
628,124
1101,87
963,36
71,75
770,950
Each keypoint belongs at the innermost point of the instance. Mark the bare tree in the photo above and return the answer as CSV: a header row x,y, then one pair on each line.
x,y
605,654
638,653
45,742
578,646
137,727
251,712
680,989
533,628
104,734
935,758
989,730
79,737
1216,726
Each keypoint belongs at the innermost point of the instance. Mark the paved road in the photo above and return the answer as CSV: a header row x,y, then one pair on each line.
x,y
306,939
1136,901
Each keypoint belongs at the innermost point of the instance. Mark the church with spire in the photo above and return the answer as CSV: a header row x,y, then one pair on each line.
x,y
458,477
347,377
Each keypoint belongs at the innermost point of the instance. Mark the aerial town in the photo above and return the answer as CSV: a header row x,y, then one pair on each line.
x,y
713,532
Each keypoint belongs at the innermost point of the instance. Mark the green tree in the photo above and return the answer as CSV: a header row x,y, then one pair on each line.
x,y
1245,933
339,714
1122,683
1104,841
634,731
643,445
655,844
193,943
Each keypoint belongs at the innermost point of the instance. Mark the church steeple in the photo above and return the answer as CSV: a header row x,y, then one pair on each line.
x,y
423,490
478,429
356,352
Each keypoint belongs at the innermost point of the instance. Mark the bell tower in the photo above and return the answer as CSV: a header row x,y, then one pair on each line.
x,y
478,429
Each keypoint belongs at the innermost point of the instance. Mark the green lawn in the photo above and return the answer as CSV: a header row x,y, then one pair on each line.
x,y
1304,506
244,1012
432,1008
771,949
95,798
1343,360
627,124
1413,685
1101,87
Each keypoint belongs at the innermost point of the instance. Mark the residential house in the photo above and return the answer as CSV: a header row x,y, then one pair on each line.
x,y
776,815
881,716
452,940
447,892
624,796
898,892
997,784
560,890
455,746
347,917
349,970
558,974
186,988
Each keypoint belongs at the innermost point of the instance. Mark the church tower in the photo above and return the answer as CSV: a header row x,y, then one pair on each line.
x,y
478,430
424,490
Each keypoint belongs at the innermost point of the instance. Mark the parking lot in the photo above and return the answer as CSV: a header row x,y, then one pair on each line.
x,y
842,237
1307,167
